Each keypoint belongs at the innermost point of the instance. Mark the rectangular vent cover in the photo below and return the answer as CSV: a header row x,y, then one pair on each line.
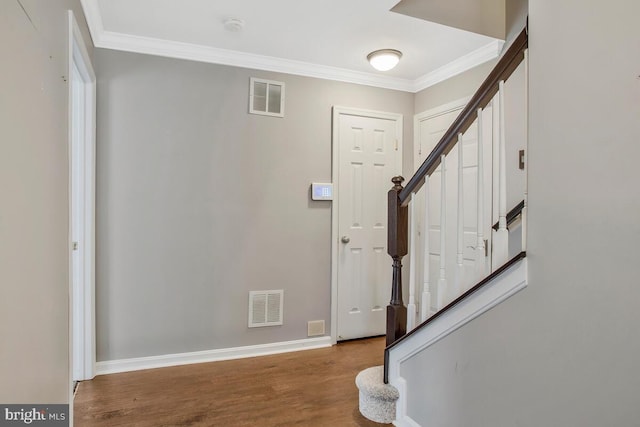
x,y
266,97
315,328
265,308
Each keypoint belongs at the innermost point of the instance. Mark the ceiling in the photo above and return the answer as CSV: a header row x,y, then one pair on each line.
x,y
318,38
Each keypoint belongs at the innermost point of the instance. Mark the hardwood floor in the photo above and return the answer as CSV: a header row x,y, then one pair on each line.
x,y
306,388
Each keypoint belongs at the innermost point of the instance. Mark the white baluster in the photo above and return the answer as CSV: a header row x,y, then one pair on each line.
x,y
442,281
501,241
411,305
480,262
425,306
459,280
526,152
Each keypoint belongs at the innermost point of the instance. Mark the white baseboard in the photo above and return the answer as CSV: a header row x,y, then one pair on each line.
x,y
406,421
166,360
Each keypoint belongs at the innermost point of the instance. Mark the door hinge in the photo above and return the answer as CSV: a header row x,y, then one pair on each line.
x,y
75,246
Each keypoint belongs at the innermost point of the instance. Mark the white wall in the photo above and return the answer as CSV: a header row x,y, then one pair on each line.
x,y
564,351
34,200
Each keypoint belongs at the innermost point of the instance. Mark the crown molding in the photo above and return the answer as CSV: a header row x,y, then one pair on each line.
x,y
173,49
179,50
460,65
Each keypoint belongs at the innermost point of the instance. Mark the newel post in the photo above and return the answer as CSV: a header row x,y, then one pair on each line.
x,y
398,237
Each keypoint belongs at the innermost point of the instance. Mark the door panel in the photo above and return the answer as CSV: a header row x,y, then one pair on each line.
x,y
368,158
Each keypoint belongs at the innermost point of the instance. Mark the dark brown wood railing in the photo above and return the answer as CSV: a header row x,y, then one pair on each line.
x,y
399,197
398,243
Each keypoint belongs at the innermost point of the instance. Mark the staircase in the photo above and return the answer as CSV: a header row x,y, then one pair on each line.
x,y
467,288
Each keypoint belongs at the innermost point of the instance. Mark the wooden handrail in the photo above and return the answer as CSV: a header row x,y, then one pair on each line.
x,y
503,69
399,196
511,215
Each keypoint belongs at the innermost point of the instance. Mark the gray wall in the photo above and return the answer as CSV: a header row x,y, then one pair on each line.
x,y
515,136
478,16
200,202
457,87
564,351
34,200
516,12
465,84
500,19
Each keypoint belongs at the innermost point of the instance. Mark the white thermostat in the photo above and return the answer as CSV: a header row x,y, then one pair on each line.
x,y
321,191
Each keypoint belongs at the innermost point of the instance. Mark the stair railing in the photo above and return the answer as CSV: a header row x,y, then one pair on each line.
x,y
399,199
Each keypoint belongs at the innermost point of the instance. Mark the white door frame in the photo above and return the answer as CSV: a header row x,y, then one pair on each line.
x,y
335,168
82,139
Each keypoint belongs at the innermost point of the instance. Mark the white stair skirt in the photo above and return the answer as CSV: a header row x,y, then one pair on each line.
x,y
507,284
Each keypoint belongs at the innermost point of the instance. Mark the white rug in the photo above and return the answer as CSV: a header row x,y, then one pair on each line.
x,y
377,399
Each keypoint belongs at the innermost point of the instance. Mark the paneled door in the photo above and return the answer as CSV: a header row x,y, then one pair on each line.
x,y
368,148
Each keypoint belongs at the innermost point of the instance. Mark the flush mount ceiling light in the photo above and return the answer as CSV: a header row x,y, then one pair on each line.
x,y
384,59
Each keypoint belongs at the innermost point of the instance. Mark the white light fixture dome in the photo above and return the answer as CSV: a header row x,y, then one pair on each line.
x,y
384,59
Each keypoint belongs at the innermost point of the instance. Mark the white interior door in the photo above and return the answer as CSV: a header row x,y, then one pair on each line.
x,y
368,146
430,126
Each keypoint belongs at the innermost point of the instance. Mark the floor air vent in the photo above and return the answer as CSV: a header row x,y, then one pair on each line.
x,y
265,308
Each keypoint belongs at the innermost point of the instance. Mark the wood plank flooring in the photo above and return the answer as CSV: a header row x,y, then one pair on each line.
x,y
306,388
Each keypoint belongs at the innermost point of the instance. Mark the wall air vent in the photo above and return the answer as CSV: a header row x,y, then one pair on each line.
x,y
315,328
265,308
266,97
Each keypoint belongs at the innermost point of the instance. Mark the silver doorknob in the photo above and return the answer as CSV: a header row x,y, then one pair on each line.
x,y
345,239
